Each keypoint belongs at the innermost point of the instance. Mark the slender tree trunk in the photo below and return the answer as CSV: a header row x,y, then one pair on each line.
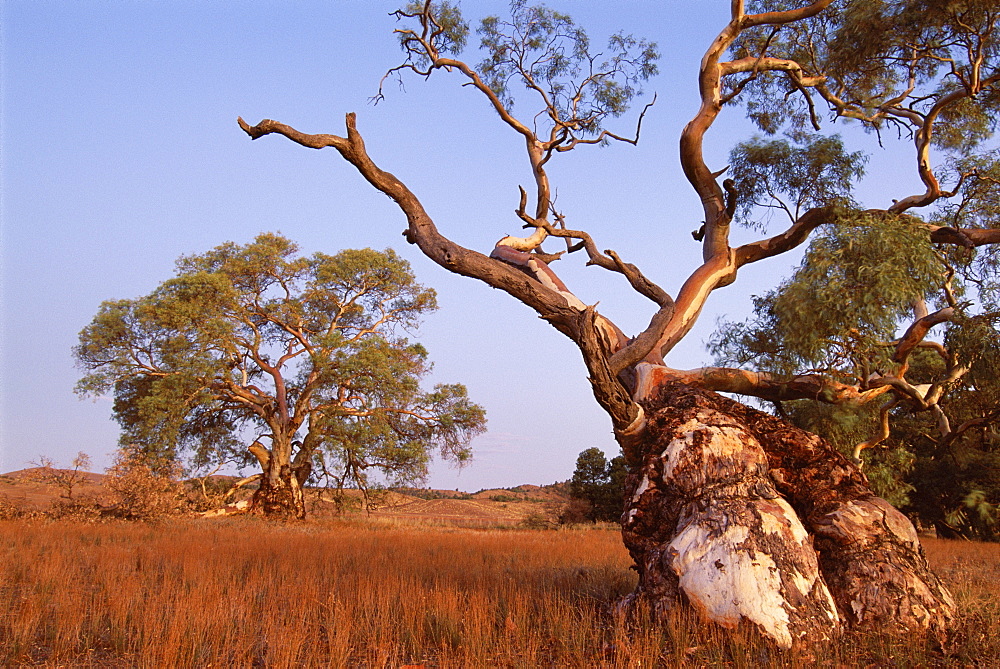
x,y
746,518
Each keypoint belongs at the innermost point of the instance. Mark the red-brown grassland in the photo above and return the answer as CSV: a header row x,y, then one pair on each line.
x,y
364,593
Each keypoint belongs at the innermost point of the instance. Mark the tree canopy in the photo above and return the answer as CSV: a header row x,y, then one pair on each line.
x,y
301,363
599,483
859,309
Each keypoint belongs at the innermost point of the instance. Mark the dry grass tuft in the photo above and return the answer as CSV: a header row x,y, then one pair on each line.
x,y
241,592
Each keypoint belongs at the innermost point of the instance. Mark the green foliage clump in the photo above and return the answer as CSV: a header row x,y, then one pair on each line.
x,y
309,354
857,281
875,56
549,54
542,50
776,175
599,484
448,31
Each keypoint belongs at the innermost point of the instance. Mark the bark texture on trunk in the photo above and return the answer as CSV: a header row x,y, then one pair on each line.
x,y
706,526
280,494
749,519
869,552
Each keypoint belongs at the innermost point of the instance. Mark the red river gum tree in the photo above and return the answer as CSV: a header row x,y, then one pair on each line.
x,y
730,510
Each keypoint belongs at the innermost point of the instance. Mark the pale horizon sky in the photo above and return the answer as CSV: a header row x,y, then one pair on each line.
x,y
120,152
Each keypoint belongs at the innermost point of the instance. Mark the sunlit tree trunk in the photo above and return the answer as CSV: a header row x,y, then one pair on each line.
x,y
281,490
748,519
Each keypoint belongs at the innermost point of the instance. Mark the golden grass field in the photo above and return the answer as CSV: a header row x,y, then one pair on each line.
x,y
240,592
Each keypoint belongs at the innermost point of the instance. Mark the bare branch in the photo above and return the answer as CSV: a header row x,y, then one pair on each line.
x,y
880,435
267,127
608,260
917,331
421,229
762,385
605,134
239,484
640,283
643,347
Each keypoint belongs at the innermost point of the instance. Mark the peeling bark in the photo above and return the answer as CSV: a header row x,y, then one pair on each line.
x,y
280,493
748,518
706,527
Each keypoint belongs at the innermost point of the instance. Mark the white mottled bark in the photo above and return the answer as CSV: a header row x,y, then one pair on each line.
x,y
751,520
735,550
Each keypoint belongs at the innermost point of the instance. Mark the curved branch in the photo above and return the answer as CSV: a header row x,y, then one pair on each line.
x,y
922,143
536,150
715,240
918,330
267,127
881,435
787,16
797,233
922,125
967,237
717,272
762,385
598,339
979,421
548,303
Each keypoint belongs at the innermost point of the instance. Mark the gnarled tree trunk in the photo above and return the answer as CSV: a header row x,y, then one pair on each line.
x,y
747,518
280,493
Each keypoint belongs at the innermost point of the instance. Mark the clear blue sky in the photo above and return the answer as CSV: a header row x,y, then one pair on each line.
x,y
120,152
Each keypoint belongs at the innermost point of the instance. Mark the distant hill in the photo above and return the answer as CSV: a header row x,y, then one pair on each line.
x,y
33,490
30,490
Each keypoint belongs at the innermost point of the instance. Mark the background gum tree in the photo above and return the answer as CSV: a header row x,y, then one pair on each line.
x,y
735,512
304,359
597,486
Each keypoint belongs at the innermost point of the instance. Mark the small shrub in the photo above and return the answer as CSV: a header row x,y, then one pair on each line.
x,y
9,510
576,511
143,487
66,479
76,508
